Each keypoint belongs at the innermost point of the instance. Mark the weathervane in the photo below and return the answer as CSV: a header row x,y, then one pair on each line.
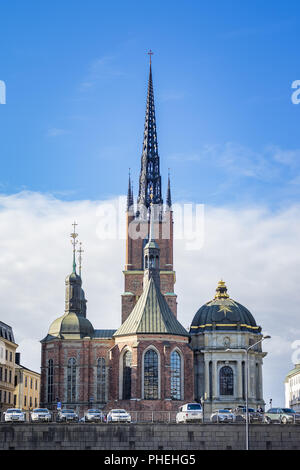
x,y
74,242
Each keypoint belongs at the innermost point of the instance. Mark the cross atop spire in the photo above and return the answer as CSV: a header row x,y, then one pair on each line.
x,y
150,53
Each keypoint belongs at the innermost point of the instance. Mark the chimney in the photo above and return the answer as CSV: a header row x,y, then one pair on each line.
x,y
17,359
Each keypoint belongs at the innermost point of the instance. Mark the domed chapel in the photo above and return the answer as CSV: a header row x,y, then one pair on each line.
x,y
151,362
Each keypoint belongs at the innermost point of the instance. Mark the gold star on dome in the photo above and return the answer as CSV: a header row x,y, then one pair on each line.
x,y
224,309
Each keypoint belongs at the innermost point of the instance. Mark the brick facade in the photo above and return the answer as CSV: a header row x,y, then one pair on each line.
x,y
87,351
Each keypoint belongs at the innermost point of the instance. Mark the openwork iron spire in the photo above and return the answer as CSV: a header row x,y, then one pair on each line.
x,y
150,172
169,199
129,193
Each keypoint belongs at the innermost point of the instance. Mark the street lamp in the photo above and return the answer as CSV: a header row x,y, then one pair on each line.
x,y
246,350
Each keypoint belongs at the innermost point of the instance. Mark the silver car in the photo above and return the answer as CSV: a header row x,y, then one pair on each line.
x,y
67,416
40,414
14,415
222,416
94,416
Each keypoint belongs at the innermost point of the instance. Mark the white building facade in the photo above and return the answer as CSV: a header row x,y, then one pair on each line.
x,y
292,389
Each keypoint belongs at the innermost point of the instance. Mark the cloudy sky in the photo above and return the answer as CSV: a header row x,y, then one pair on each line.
x,y
72,125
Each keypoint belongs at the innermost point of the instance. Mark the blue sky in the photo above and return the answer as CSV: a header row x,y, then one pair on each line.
x,y
76,75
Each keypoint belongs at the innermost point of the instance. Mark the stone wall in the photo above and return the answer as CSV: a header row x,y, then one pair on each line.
x,y
147,437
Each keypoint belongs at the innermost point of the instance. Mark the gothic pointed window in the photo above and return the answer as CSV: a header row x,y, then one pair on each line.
x,y
151,375
101,380
226,381
127,361
175,376
50,381
71,380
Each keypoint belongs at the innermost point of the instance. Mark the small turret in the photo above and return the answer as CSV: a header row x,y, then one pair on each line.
x,y
151,254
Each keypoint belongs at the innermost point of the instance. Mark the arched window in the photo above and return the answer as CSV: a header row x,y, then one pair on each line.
x,y
71,384
101,380
226,381
151,375
175,376
127,361
50,381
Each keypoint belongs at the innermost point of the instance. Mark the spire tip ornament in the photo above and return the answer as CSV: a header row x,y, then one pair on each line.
x,y
74,242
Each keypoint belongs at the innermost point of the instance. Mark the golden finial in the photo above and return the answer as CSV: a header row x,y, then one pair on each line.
x,y
221,291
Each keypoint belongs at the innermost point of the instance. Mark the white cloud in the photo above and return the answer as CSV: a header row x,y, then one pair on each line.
x,y
254,250
55,132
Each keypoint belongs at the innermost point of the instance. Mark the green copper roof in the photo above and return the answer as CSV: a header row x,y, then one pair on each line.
x,y
71,326
151,314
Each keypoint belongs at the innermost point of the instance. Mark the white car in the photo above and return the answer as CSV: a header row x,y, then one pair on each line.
x,y
190,413
14,415
40,414
118,416
223,416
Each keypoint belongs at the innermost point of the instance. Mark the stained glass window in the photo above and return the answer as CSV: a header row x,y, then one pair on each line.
x,y
175,376
71,387
50,381
127,361
101,379
226,381
151,375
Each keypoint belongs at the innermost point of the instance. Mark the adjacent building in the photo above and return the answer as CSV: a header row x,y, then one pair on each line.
x,y
7,366
27,387
221,332
292,389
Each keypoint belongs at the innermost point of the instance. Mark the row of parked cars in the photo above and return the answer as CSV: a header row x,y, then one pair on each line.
x,y
188,413
67,415
192,412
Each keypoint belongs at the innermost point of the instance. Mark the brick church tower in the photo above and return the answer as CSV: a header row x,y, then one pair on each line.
x,y
138,217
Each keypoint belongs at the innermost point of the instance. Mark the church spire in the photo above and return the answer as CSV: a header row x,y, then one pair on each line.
x,y
150,172
129,193
169,199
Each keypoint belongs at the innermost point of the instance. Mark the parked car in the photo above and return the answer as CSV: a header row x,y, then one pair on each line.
x,y
282,415
117,416
190,413
67,416
14,415
94,416
254,416
223,416
40,414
